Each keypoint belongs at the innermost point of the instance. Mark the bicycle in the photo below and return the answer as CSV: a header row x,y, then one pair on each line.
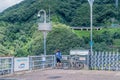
x,y
73,62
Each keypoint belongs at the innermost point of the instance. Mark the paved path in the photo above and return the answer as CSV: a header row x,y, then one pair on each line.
x,y
59,74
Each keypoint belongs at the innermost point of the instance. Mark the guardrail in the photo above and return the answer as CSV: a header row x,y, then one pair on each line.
x,y
95,61
6,65
104,61
9,65
39,62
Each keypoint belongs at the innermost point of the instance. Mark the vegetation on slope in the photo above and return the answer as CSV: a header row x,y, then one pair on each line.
x,y
19,35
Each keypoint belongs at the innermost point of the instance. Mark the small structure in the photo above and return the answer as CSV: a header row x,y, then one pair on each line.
x,y
79,52
83,56
86,28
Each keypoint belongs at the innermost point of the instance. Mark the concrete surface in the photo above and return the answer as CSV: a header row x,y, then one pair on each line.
x,y
60,74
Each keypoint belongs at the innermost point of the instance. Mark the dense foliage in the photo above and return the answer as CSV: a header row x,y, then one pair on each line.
x,y
61,37
71,12
104,40
19,35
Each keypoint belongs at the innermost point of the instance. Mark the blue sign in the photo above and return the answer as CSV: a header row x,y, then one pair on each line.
x,y
91,43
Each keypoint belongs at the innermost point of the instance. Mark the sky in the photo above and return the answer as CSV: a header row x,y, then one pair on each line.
x,y
7,3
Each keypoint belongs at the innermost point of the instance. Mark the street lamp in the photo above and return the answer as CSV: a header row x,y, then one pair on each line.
x,y
91,22
44,27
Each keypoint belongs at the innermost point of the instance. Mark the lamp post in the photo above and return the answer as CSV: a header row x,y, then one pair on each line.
x,y
44,27
91,23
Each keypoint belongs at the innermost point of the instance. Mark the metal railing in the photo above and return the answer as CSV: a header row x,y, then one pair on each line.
x,y
6,65
104,61
95,61
35,62
70,61
39,62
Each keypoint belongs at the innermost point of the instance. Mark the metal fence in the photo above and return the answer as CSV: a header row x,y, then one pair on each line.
x,y
66,60
6,65
104,61
95,61
39,62
35,62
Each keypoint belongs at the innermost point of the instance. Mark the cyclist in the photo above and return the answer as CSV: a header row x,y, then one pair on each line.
x,y
58,56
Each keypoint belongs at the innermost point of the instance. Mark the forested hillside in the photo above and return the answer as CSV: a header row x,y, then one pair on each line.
x,y
71,12
19,35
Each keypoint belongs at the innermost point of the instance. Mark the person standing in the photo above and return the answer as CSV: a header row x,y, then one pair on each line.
x,y
58,56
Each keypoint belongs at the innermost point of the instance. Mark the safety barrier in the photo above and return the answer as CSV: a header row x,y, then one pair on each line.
x,y
9,65
95,61
104,61
6,65
39,62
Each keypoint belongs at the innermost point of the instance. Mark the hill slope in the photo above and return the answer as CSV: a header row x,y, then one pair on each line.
x,y
71,12
19,35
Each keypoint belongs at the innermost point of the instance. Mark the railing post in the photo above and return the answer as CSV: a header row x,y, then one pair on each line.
x,y
106,58
98,59
12,65
117,61
30,63
91,60
95,60
109,60
54,61
43,61
88,58
102,55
